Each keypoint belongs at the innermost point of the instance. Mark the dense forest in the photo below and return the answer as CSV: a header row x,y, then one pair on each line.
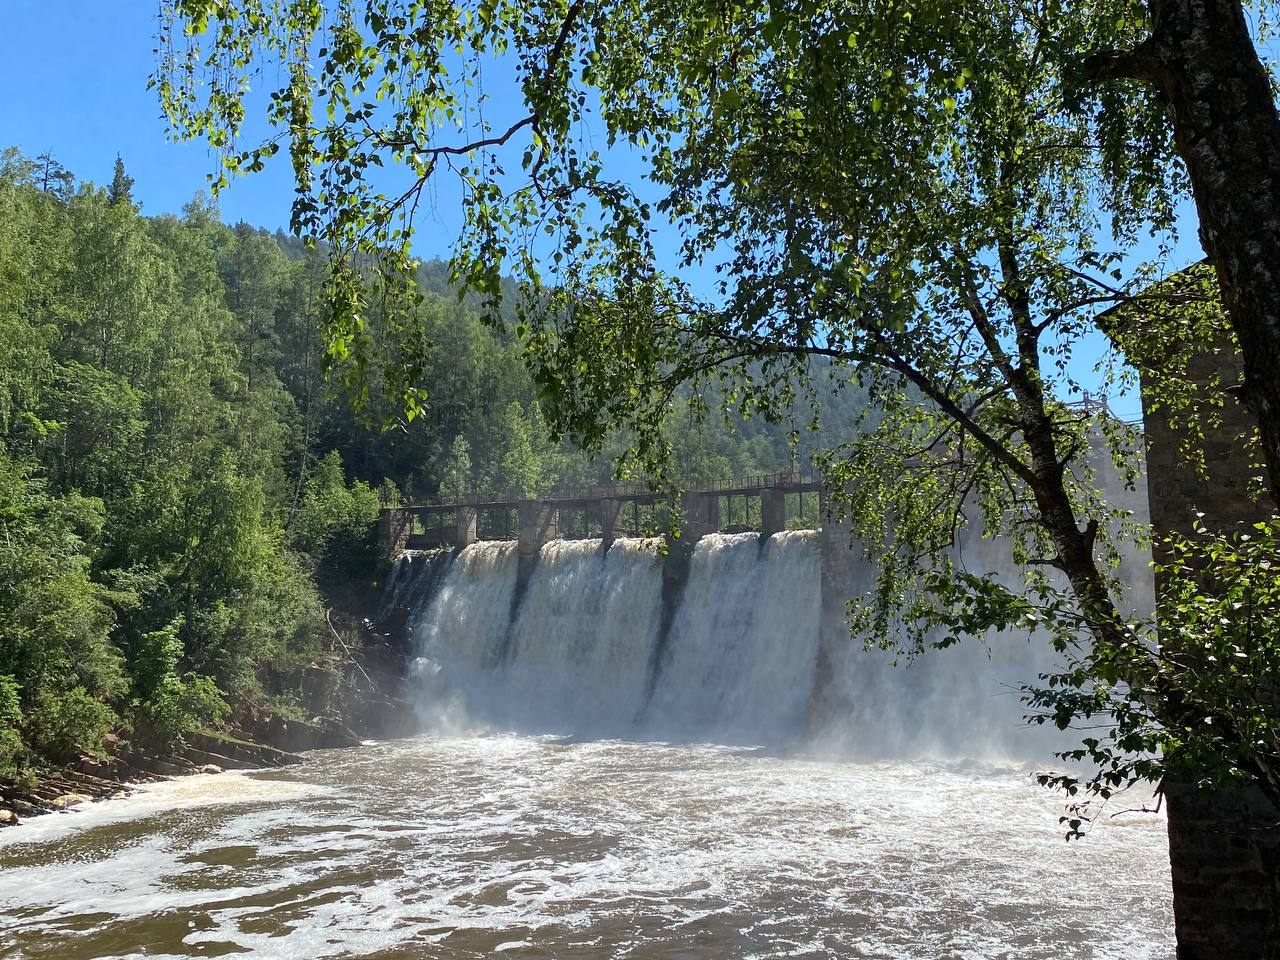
x,y
179,487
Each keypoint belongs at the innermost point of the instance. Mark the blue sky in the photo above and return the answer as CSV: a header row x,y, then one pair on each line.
x,y
75,79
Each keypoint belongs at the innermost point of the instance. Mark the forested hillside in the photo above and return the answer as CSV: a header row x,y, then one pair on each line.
x,y
179,487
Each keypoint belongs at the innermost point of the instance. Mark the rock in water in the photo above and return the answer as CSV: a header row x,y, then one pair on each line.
x,y
68,800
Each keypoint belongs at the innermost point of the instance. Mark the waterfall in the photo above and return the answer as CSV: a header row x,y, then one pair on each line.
x,y
739,664
581,642
413,582
580,652
730,647
962,701
459,630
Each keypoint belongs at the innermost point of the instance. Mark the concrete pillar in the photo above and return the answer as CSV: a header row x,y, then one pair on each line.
x,y
612,523
539,523
711,511
465,522
394,526
773,512
701,515
1224,844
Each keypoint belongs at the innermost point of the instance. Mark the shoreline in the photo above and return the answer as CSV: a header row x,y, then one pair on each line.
x,y
353,697
91,779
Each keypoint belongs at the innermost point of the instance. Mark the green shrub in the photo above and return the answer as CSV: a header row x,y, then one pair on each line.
x,y
337,525
180,705
10,724
62,724
155,659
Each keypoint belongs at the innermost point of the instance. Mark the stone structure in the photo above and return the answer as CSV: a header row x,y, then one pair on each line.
x,y
701,515
1224,845
539,523
395,526
773,511
465,525
612,523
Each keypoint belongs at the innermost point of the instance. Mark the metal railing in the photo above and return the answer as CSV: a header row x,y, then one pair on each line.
x,y
787,479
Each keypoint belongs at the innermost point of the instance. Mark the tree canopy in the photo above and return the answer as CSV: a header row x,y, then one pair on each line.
x,y
887,111
938,202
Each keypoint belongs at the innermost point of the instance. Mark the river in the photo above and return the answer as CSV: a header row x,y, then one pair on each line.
x,y
547,847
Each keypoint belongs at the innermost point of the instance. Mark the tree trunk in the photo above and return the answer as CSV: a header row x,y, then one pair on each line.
x,y
1224,845
1225,122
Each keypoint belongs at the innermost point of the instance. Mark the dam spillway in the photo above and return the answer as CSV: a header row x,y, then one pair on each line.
x,y
586,651
744,649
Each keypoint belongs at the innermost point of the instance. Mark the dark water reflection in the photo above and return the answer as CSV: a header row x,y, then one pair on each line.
x,y
525,848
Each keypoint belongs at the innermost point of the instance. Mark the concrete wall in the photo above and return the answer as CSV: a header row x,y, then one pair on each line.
x,y
612,523
773,512
465,523
539,522
394,527
701,515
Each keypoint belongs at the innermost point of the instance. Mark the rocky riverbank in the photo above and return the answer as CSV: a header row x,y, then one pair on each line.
x,y
353,695
93,778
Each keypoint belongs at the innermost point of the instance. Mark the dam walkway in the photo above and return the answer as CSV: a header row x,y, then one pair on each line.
x,y
767,503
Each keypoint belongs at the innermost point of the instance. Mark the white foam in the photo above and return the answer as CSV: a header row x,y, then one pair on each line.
x,y
454,847
146,799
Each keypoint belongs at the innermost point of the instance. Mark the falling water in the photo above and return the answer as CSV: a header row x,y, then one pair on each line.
x,y
581,643
414,580
582,649
461,631
739,664
958,702
586,650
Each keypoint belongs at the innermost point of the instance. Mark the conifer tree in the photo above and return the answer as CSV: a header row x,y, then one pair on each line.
x,y
121,189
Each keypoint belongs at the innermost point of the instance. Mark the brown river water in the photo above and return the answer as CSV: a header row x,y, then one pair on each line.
x,y
528,847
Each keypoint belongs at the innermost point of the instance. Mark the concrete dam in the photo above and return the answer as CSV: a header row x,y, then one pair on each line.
x,y
558,626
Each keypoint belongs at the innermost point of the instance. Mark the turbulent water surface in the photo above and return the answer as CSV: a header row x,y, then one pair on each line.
x,y
617,766
539,847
